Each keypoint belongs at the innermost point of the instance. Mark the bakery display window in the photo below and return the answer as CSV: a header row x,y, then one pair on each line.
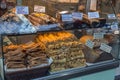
x,y
68,39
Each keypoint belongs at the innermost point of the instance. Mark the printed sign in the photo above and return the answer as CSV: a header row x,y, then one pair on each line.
x,y
111,16
89,44
22,10
39,8
105,47
98,35
67,17
92,15
77,15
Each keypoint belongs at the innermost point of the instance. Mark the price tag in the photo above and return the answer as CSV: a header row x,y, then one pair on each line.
x,y
116,32
89,44
77,15
111,16
22,10
98,35
39,8
67,17
114,27
92,15
105,47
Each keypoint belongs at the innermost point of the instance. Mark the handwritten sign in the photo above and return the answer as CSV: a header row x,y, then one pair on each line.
x,y
105,47
22,10
38,8
67,17
89,44
77,15
98,35
92,15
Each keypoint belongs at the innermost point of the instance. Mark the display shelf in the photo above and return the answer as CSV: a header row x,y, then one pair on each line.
x,y
104,30
94,68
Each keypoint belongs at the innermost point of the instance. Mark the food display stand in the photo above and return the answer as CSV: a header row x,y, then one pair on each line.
x,y
60,40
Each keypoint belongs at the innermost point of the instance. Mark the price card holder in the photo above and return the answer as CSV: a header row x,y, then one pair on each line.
x,y
111,16
67,17
98,35
105,47
77,15
89,44
38,8
92,15
22,10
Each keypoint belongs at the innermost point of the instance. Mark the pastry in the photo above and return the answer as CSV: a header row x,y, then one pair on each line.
x,y
15,65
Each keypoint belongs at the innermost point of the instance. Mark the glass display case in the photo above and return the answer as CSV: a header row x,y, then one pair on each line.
x,y
60,40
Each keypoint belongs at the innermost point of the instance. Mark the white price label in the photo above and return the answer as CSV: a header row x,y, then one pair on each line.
x,y
22,10
111,16
116,32
89,44
105,47
77,15
98,35
67,17
39,8
114,27
92,15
